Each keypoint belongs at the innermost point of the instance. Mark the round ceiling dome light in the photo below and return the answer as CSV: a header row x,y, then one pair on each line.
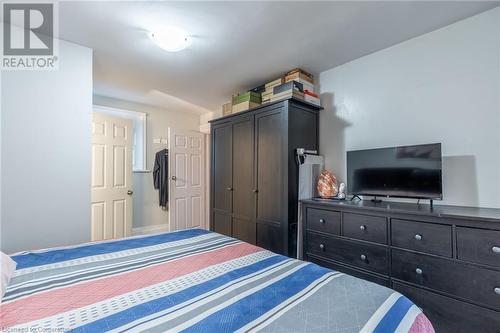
x,y
171,39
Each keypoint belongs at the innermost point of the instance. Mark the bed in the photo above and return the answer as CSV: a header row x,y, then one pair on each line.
x,y
193,281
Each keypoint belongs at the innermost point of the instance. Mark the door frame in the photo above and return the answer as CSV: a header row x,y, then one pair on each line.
x,y
203,188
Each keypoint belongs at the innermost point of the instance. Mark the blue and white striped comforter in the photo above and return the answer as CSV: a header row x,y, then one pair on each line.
x,y
194,281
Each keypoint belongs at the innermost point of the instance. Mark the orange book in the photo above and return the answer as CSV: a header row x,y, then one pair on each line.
x,y
310,93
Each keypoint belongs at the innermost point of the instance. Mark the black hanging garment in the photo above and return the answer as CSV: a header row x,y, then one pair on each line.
x,y
160,176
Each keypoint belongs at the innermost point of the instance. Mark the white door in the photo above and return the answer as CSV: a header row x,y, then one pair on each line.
x,y
186,157
111,177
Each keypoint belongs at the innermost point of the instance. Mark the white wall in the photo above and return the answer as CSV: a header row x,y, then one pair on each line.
x,y
441,87
147,213
45,175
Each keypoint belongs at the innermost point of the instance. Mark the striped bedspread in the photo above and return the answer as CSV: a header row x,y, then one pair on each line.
x,y
193,281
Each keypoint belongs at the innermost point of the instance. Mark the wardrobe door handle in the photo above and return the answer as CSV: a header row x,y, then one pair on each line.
x,y
255,190
362,227
229,188
362,257
322,221
322,246
495,249
418,237
419,271
497,290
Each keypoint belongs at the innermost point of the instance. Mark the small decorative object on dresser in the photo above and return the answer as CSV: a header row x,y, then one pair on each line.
x,y
341,194
327,185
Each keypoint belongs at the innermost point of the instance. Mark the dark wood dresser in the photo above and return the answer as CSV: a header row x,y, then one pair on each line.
x,y
446,259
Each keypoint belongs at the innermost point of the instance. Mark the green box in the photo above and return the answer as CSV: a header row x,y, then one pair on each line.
x,y
249,96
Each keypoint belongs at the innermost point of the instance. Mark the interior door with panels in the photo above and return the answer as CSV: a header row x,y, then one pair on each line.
x,y
111,187
270,169
243,187
187,180
222,178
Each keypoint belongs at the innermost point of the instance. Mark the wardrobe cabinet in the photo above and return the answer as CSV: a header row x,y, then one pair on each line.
x,y
254,174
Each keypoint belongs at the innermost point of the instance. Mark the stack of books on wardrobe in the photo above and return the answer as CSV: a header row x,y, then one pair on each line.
x,y
306,81
287,90
267,94
245,101
297,83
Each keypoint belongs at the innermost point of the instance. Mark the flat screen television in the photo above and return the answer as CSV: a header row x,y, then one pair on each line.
x,y
403,172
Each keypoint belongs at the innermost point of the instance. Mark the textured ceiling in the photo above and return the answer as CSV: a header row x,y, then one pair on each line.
x,y
237,45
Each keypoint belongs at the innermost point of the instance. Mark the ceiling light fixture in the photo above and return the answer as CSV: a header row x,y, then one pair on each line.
x,y
171,39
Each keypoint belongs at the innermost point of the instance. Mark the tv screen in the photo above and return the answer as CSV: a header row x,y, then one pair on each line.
x,y
405,172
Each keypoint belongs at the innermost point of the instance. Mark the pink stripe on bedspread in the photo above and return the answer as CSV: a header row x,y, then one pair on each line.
x,y
421,325
52,302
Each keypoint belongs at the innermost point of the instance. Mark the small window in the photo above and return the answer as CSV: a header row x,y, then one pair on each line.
x,y
139,135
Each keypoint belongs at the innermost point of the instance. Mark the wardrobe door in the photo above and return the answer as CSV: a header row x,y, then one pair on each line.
x,y
222,178
243,180
269,141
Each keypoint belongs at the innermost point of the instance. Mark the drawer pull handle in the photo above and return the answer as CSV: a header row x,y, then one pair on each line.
x,y
322,246
418,237
419,271
497,290
362,257
495,249
362,227
321,221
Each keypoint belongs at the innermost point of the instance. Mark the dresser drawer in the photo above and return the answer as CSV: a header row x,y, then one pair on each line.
x,y
365,227
335,265
421,236
366,256
323,220
479,246
448,315
481,286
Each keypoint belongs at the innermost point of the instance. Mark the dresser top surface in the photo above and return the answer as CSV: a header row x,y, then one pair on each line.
x,y
472,213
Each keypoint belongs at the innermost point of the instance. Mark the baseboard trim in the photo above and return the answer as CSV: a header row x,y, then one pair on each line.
x,y
152,229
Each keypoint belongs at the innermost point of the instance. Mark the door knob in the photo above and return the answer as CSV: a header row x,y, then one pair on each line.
x,y
174,178
255,190
129,192
229,188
